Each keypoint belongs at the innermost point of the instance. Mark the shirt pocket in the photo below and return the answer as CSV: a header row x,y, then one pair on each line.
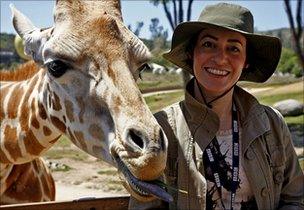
x,y
276,158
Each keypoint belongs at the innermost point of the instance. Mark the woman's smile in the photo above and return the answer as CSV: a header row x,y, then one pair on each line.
x,y
216,72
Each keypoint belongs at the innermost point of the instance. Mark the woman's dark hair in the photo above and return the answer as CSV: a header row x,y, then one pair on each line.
x,y
190,48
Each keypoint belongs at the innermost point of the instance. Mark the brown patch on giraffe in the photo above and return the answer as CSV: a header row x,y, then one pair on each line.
x,y
32,145
117,104
46,131
3,94
24,182
97,150
112,75
81,105
58,124
35,123
14,102
64,119
25,107
69,110
46,181
96,131
80,138
72,137
11,142
56,102
42,112
55,140
49,100
3,158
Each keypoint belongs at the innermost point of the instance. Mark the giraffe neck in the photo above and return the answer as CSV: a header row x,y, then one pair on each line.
x,y
26,130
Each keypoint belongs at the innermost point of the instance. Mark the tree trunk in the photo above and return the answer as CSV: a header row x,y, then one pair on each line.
x,y
168,14
174,12
296,34
189,10
181,11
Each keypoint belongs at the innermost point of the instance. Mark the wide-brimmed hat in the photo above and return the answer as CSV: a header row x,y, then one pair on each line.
x,y
263,53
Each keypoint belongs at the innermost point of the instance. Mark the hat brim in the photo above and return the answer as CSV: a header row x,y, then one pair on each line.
x,y
263,54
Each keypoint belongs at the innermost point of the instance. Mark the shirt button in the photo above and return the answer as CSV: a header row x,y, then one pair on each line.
x,y
249,154
278,177
264,191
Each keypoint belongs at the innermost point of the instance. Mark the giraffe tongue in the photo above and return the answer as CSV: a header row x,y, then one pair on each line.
x,y
145,188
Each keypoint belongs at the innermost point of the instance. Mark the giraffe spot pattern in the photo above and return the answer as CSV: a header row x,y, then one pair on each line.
x,y
99,150
80,138
56,102
96,131
32,145
69,110
42,112
10,142
71,135
34,121
81,105
27,185
58,124
3,95
14,102
25,106
46,131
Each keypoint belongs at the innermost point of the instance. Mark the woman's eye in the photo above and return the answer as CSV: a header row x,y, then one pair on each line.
x,y
208,44
234,49
57,68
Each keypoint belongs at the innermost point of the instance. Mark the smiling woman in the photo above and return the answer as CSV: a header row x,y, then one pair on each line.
x,y
226,150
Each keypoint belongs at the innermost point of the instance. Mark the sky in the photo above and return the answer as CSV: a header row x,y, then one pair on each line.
x,y
267,14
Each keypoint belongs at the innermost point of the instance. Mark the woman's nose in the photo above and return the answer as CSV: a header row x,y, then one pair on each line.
x,y
220,57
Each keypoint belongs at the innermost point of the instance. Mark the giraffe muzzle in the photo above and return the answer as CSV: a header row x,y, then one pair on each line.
x,y
143,188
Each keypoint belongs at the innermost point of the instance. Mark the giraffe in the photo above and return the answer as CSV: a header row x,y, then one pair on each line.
x,y
85,87
32,180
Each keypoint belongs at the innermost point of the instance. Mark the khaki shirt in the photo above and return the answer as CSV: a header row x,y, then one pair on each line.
x,y
269,159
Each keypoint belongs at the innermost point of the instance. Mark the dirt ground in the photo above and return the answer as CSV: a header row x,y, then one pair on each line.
x,y
77,179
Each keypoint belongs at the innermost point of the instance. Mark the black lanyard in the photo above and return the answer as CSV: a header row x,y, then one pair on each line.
x,y
211,150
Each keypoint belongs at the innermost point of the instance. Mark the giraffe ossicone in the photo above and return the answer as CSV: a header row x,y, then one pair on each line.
x,y
86,89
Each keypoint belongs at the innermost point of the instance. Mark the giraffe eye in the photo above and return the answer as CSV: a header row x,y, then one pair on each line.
x,y
57,68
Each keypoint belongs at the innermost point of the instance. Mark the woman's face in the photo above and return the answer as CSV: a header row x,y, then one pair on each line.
x,y
218,59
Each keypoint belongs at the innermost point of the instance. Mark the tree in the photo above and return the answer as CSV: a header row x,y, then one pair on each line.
x,y
297,30
175,16
139,26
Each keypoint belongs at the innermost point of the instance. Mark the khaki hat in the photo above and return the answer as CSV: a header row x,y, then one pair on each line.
x,y
263,53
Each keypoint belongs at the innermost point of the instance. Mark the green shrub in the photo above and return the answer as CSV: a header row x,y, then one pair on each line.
x,y
289,63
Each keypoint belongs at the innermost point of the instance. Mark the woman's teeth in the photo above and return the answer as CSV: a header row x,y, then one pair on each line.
x,y
217,71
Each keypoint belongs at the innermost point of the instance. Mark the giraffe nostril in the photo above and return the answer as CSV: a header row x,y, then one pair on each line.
x,y
134,136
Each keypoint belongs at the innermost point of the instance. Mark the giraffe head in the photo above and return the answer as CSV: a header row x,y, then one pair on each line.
x,y
91,63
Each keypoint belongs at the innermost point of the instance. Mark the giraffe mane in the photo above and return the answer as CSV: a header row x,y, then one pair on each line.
x,y
22,72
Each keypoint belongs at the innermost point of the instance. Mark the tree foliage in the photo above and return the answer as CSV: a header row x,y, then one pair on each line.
x,y
289,63
138,28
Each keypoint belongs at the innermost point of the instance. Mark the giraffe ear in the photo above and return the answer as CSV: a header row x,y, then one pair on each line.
x,y
139,50
34,38
21,23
